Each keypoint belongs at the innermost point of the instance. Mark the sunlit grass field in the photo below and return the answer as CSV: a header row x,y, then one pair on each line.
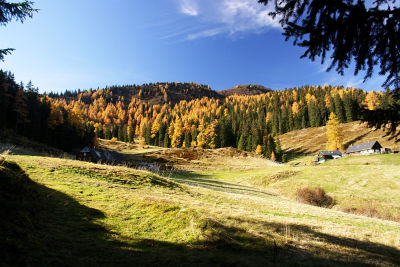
x,y
225,213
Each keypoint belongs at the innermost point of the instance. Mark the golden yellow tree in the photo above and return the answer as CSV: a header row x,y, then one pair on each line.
x,y
295,108
371,100
259,150
334,133
178,132
56,117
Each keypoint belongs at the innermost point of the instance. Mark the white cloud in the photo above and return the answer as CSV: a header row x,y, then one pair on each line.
x,y
188,7
227,17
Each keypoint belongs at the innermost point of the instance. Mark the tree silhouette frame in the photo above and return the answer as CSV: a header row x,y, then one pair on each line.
x,y
345,31
18,11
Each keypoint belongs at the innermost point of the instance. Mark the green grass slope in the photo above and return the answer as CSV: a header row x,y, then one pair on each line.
x,y
78,213
365,185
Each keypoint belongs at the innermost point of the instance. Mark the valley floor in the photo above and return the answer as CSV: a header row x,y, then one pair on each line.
x,y
217,209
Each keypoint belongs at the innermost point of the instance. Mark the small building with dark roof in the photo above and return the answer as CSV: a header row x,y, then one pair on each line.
x,y
93,155
329,154
368,148
90,154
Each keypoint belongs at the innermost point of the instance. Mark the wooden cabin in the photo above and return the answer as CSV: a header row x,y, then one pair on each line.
x,y
93,155
368,148
327,155
89,154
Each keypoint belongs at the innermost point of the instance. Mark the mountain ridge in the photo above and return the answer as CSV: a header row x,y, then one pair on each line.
x,y
246,89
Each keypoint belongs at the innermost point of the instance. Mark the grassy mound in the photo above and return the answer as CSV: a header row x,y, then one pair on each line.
x,y
40,226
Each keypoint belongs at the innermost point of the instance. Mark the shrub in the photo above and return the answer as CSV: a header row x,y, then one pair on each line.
x,y
314,196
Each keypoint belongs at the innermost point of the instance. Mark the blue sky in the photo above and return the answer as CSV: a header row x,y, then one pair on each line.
x,y
75,44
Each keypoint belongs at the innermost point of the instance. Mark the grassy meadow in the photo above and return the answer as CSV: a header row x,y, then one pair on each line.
x,y
210,208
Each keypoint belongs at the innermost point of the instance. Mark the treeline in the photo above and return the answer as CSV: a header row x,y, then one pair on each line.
x,y
24,112
154,93
246,122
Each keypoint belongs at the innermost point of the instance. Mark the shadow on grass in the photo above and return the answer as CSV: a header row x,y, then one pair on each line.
x,y
363,252
295,153
201,180
40,226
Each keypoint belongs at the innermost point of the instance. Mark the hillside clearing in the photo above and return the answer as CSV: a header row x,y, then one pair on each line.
x,y
312,140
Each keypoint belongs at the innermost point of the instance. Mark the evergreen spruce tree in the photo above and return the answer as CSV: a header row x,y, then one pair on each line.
x,y
120,134
167,141
21,110
242,142
114,131
125,133
147,135
339,109
249,143
278,149
348,108
187,140
107,134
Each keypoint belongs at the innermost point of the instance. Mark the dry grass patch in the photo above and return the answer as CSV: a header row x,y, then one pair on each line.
x,y
312,140
314,196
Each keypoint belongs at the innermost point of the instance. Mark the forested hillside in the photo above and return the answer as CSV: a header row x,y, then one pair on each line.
x,y
246,122
153,93
23,112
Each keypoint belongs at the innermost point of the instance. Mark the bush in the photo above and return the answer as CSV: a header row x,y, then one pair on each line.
x,y
314,196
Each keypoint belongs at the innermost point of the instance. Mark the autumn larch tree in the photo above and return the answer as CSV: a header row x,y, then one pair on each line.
x,y
259,150
334,133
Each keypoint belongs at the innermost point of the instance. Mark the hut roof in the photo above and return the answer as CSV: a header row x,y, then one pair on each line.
x,y
331,153
95,153
364,146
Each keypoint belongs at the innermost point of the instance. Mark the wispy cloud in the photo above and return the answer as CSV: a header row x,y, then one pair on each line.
x,y
204,33
227,17
354,82
188,7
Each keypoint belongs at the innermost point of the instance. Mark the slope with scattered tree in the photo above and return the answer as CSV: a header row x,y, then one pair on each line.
x,y
312,140
243,122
